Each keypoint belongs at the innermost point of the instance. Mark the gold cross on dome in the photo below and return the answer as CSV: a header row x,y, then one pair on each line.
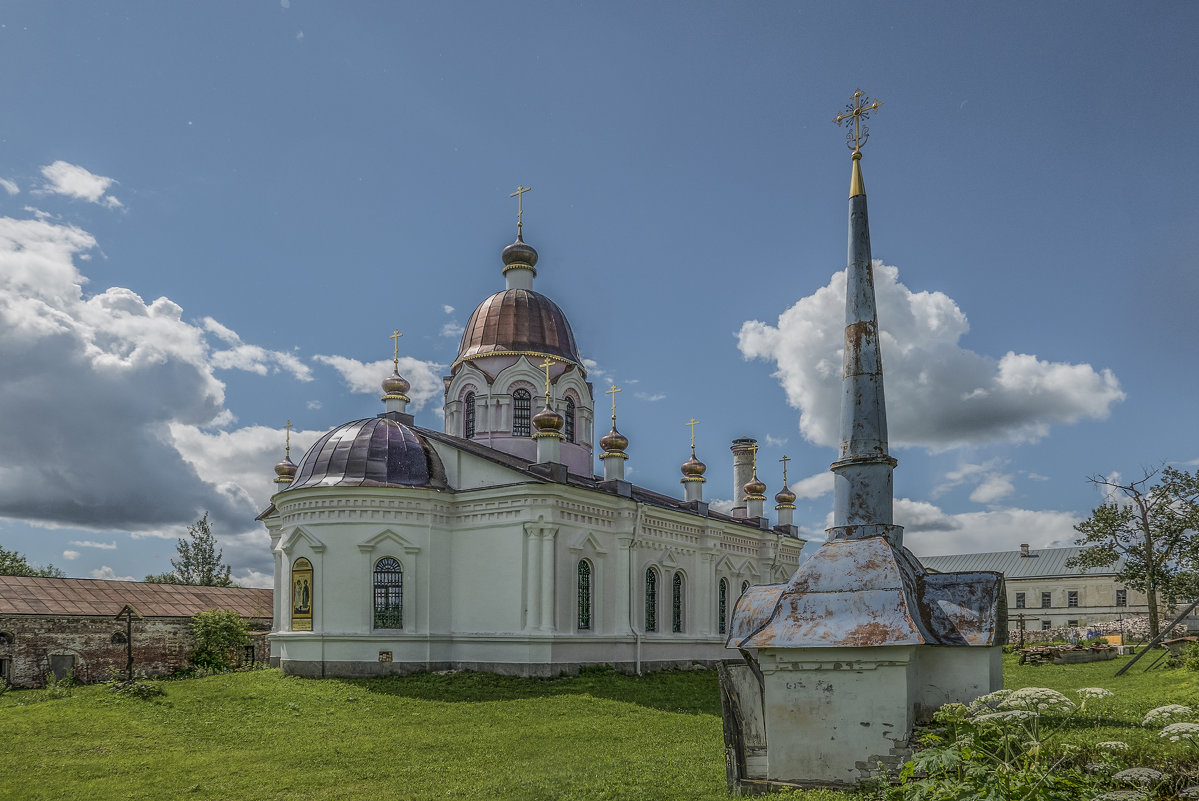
x,y
692,423
784,460
613,392
547,364
754,450
288,426
395,357
519,194
858,111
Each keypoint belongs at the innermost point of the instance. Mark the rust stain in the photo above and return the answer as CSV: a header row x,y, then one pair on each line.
x,y
872,633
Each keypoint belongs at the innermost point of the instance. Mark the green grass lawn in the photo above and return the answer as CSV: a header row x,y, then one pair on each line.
x,y
601,735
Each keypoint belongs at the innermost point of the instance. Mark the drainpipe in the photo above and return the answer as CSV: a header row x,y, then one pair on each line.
x,y
633,588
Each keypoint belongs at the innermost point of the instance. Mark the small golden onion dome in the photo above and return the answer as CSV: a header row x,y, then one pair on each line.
x,y
519,253
755,487
395,384
285,469
548,420
694,468
785,496
614,441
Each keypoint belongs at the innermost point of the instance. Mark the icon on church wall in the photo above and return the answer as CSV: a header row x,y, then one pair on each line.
x,y
301,595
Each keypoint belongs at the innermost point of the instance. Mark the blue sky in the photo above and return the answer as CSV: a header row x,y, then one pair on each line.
x,y
213,215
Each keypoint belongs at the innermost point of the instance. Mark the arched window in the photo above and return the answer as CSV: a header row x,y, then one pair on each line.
x,y
468,415
118,638
389,594
570,420
6,638
303,595
522,411
584,595
722,604
676,603
744,587
651,599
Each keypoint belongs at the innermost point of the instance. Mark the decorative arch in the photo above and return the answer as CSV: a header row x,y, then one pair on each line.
x,y
6,638
651,598
568,413
586,594
522,412
468,414
303,595
118,638
677,591
388,584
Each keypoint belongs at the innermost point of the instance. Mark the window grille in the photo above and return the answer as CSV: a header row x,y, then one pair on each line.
x,y
676,603
1044,625
118,638
1046,600
1121,597
570,420
468,415
722,604
1072,598
5,669
1072,624
522,412
1019,600
584,595
389,594
651,599
6,638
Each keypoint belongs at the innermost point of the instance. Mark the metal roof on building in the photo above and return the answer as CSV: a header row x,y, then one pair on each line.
x,y
1040,562
37,595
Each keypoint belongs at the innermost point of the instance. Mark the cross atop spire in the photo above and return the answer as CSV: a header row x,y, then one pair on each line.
x,y
858,111
784,460
613,392
547,364
519,194
287,449
395,356
692,423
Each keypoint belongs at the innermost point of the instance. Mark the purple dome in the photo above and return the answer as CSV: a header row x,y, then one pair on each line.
x,y
376,452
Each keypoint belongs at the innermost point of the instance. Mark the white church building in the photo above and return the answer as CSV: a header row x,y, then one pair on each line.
x,y
491,545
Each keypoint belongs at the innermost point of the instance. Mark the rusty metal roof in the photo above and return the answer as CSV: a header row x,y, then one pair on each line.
x,y
37,595
1040,562
518,321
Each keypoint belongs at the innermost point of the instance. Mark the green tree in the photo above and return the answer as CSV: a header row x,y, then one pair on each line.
x,y
15,564
218,635
200,562
1152,525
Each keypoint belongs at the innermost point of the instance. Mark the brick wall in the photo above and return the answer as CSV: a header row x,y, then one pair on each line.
x,y
160,645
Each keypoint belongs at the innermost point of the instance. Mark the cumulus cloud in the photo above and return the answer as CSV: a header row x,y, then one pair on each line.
x,y
107,573
71,180
992,489
254,578
9,186
70,555
451,330
813,486
448,309
650,397
929,531
104,546
251,358
940,395
775,442
366,377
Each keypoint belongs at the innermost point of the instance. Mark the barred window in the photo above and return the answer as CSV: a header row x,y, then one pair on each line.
x,y
1072,598
1044,625
468,415
522,412
722,604
1046,600
570,420
1121,597
389,594
118,638
6,638
1019,600
584,595
651,599
676,603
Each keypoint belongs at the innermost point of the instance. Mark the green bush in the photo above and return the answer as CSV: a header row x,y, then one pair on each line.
x,y
219,635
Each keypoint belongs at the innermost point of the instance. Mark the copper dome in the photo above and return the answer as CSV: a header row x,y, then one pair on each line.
x,y
521,321
614,441
785,496
548,420
376,452
755,488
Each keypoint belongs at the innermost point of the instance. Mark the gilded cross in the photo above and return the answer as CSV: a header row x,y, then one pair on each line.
x,y
519,194
858,111
692,423
754,450
547,364
613,392
289,427
395,356
784,460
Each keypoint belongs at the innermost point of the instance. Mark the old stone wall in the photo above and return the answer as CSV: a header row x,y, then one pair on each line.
x,y
33,645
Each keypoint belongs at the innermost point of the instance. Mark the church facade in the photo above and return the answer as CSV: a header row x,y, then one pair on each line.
x,y
491,545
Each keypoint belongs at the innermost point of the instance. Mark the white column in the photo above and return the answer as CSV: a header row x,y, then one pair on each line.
x,y
547,579
532,579
622,589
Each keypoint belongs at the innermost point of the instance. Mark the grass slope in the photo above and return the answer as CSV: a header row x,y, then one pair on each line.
x,y
599,735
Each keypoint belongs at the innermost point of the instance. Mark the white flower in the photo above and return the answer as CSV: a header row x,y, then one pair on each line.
x,y
1093,692
1166,714
1041,699
989,701
1141,776
1113,745
1006,715
1181,731
1189,792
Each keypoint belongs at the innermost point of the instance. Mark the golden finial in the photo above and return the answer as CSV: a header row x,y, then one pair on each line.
x,y
395,357
547,364
857,111
754,450
520,206
287,449
692,423
784,460
613,392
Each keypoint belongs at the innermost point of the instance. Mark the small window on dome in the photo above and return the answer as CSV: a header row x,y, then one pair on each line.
x,y
570,420
522,413
468,415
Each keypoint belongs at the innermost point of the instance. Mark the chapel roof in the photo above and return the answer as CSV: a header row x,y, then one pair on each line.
x,y
1041,562
39,595
518,321
374,452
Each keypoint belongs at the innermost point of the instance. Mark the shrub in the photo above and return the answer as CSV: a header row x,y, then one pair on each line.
x,y
218,635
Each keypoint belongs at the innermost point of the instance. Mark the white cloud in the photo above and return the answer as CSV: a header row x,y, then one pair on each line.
x,y
313,405
251,358
367,377
722,505
775,442
813,486
448,309
650,398
104,546
451,330
992,489
9,186
254,578
929,531
71,180
70,555
107,573
940,395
